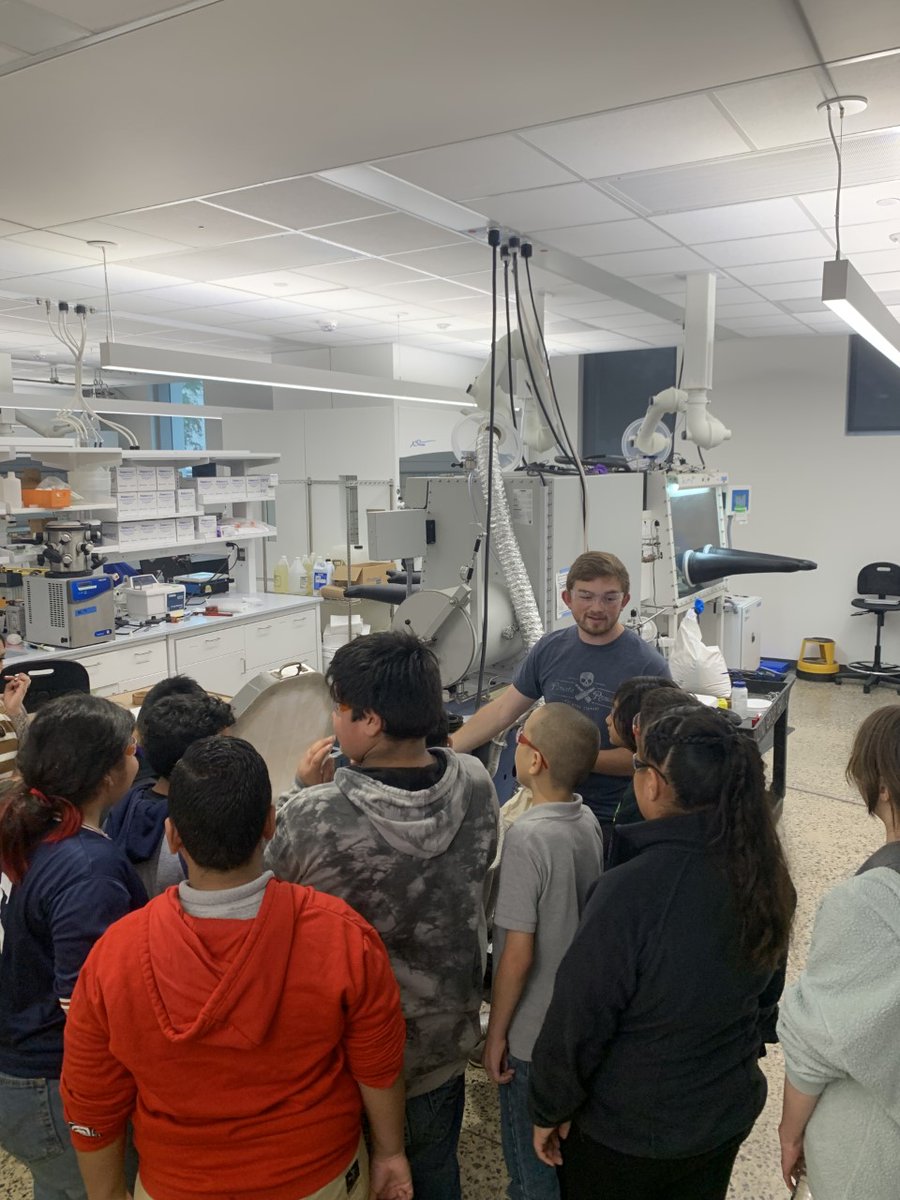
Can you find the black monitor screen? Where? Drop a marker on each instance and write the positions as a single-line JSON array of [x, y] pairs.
[[873, 390], [616, 388]]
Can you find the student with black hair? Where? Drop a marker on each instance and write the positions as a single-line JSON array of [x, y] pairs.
[[621, 724], [137, 823], [63, 882], [172, 685], [406, 835], [243, 1024], [645, 1077]]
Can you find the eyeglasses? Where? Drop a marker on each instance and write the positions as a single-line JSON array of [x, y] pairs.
[[607, 600], [639, 765], [522, 740]]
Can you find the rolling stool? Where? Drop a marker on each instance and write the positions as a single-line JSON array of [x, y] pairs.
[[880, 580], [818, 666]]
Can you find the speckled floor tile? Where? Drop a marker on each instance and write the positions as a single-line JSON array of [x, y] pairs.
[[482, 1113], [15, 1179], [482, 1172]]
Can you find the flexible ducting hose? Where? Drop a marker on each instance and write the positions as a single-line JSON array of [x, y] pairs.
[[504, 544]]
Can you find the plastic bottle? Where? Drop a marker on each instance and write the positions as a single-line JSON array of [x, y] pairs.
[[323, 573], [739, 698], [308, 560], [281, 575], [297, 577], [12, 490]]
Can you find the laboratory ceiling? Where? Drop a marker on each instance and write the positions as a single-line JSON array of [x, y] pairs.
[[274, 175]]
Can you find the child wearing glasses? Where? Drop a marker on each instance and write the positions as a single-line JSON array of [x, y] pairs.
[[551, 858]]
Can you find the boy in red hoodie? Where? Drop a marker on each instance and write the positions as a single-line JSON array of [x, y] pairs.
[[242, 1024]]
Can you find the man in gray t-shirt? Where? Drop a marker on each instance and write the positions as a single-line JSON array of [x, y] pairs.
[[583, 666]]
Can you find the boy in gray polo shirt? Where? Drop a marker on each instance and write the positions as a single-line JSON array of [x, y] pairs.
[[551, 857]]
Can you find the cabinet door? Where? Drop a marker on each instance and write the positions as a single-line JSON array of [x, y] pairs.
[[287, 638], [223, 675], [215, 642]]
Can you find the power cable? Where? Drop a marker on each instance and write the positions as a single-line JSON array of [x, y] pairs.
[[514, 247], [493, 242], [838, 151], [504, 254]]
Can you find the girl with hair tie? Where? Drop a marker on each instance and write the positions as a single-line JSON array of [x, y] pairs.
[[645, 1076], [63, 882]]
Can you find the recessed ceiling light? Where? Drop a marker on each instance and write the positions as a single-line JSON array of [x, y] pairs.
[[888, 200], [443, 324], [279, 284], [850, 105], [895, 237]]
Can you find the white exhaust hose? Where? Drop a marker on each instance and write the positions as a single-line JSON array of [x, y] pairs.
[[504, 544]]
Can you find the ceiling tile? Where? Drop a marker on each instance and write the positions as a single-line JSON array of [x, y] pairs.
[[260, 309], [217, 314], [55, 287], [628, 321], [607, 238], [598, 342], [302, 203], [33, 30], [771, 321], [824, 322], [798, 289], [363, 273], [341, 300], [483, 167], [650, 262], [192, 223], [9, 227], [9, 54], [752, 308], [687, 129], [472, 302], [779, 111], [592, 309], [392, 234], [16, 259], [756, 219], [274, 283], [428, 291], [389, 312], [859, 239], [873, 262], [859, 205], [780, 247], [275, 253], [552, 207], [843, 30], [887, 282], [450, 260], [97, 15], [72, 239], [779, 272], [121, 277]]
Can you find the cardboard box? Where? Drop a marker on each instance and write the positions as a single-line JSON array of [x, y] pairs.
[[204, 486], [166, 532], [363, 572], [146, 479], [126, 504], [116, 532], [185, 530], [165, 479], [186, 501], [237, 488], [165, 504], [148, 531], [221, 487], [206, 527], [123, 479], [146, 504]]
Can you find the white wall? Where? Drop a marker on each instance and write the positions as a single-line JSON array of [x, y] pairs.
[[817, 493]]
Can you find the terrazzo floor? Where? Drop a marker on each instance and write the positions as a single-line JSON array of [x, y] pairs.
[[827, 834]]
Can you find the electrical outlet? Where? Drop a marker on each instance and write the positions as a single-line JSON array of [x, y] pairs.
[[242, 554]]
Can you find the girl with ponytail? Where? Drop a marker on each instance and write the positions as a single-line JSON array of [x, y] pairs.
[[659, 1010], [62, 883]]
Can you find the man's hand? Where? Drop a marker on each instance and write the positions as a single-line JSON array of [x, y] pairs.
[[390, 1178], [495, 1059], [547, 1142], [14, 693], [316, 766]]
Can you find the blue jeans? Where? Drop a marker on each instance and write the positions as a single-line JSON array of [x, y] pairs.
[[529, 1178], [33, 1129], [433, 1122]]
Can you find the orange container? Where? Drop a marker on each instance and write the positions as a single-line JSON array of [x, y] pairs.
[[46, 497]]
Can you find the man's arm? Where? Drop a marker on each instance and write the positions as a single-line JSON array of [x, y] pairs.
[[506, 992], [490, 720], [390, 1177], [615, 762]]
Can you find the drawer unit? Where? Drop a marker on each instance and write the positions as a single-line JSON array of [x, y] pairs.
[[109, 669], [286, 638], [224, 674], [212, 643]]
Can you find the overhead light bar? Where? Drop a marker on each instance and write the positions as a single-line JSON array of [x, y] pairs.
[[846, 293], [173, 364]]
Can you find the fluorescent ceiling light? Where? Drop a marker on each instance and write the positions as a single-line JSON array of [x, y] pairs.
[[173, 364], [370, 181], [846, 293]]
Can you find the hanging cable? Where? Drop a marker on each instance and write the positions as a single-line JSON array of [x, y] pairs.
[[838, 150], [513, 245], [493, 242], [576, 458], [504, 254]]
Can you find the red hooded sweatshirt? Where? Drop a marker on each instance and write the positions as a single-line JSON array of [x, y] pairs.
[[235, 1046]]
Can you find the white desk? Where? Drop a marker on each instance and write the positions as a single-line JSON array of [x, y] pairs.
[[221, 653]]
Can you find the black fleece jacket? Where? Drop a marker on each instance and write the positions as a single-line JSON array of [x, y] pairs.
[[652, 1038]]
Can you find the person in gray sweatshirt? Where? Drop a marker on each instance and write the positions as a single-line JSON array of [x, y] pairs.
[[406, 835], [839, 1023]]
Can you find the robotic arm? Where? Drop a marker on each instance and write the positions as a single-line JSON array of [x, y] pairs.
[[703, 429]]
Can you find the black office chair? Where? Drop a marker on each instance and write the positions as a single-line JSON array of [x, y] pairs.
[[880, 580], [50, 677]]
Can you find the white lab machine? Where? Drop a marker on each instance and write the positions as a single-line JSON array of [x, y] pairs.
[[742, 632], [147, 599]]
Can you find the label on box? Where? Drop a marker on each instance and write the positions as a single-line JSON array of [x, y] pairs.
[[146, 504], [165, 478], [119, 531], [123, 479], [165, 531], [127, 502], [165, 504], [146, 479], [148, 531], [221, 486], [205, 486], [206, 527], [237, 487], [184, 529], [186, 500]]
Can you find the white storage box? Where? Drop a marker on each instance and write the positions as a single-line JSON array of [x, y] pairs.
[[186, 500], [165, 479], [185, 530], [146, 479], [237, 487], [114, 532], [146, 504], [166, 532], [123, 479], [206, 526], [126, 504], [148, 531], [165, 504]]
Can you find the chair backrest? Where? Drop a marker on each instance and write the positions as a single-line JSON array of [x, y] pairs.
[[879, 579], [50, 677]]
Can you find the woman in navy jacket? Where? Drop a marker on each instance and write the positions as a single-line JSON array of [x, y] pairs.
[[645, 1077]]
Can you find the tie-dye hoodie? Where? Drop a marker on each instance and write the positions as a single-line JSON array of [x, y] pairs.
[[415, 865]]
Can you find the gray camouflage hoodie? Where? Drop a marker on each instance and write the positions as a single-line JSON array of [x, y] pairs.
[[415, 865]]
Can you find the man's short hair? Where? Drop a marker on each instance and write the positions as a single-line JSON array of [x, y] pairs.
[[391, 674], [176, 721], [172, 685], [569, 742], [597, 564], [219, 798]]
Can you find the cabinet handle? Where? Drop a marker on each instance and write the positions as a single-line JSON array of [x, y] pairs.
[[88, 665], [142, 654], [209, 640], [263, 628]]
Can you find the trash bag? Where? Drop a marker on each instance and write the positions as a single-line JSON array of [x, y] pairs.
[[695, 666]]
